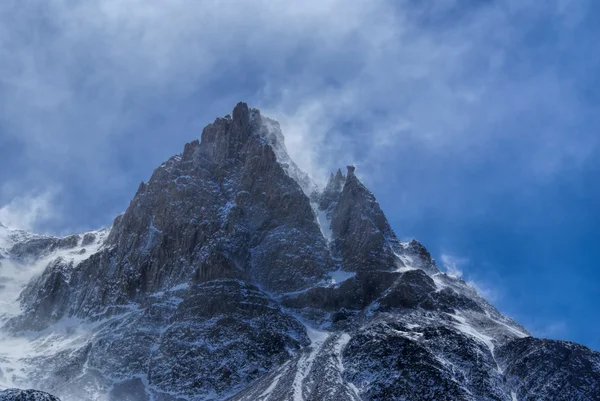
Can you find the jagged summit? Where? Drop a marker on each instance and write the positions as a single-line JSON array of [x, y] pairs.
[[232, 276], [331, 192]]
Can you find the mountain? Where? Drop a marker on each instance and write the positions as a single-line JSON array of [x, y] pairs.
[[232, 276]]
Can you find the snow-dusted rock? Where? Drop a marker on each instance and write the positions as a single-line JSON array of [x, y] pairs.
[[25, 395], [231, 276]]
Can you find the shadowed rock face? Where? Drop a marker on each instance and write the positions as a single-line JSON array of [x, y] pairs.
[[37, 247], [230, 276], [330, 196], [569, 371], [363, 237]]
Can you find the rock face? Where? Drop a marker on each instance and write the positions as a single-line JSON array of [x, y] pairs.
[[25, 395], [231, 276], [570, 371]]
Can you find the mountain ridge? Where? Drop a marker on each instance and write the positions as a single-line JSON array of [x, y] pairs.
[[232, 276]]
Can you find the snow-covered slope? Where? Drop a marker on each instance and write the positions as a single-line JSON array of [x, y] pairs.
[[231, 276], [23, 259]]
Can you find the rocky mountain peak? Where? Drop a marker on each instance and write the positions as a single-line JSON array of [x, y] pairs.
[[328, 198], [231, 276], [363, 236]]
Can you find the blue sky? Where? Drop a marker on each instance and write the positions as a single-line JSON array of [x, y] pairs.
[[475, 123]]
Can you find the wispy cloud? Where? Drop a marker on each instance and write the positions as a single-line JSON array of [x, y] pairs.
[[448, 108], [95, 93], [460, 267], [452, 265], [26, 212]]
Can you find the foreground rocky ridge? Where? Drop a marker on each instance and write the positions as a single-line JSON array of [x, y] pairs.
[[25, 395], [231, 276]]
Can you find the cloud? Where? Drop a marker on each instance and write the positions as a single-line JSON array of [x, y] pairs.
[[28, 212], [485, 289], [450, 109], [97, 93], [452, 265], [460, 267]]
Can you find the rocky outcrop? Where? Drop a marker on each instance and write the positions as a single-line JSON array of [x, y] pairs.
[[364, 239], [328, 199], [35, 248], [25, 395]]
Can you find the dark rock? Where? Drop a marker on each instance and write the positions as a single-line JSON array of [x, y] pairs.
[[37, 247], [550, 370], [25, 395], [89, 238], [353, 294], [363, 238], [329, 197]]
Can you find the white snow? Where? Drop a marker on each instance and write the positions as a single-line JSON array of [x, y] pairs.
[[275, 139], [267, 393], [338, 348], [316, 336], [468, 329], [324, 224], [339, 276], [340, 344], [437, 279], [407, 263], [406, 260], [179, 287], [403, 269], [307, 359], [14, 276], [513, 396], [513, 330], [415, 336]]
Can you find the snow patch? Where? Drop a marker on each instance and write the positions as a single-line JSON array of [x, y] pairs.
[[339, 276], [267, 393], [307, 359], [406, 260], [439, 283], [513, 330], [469, 330], [324, 224], [14, 276]]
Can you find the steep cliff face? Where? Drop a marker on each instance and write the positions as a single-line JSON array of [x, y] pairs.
[[231, 276], [226, 209]]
